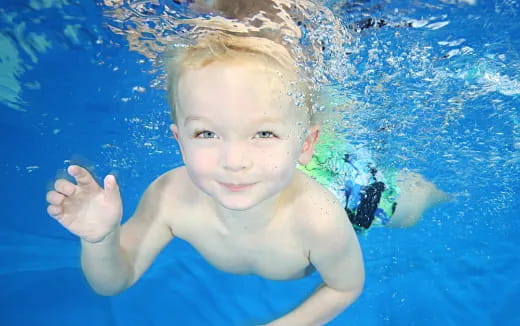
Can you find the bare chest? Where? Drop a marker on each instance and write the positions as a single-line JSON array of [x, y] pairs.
[[276, 254]]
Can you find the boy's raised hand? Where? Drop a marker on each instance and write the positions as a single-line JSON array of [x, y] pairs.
[[86, 209]]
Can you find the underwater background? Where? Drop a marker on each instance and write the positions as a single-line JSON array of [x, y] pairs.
[[434, 87]]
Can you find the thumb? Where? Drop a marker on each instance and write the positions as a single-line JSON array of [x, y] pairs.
[[111, 188]]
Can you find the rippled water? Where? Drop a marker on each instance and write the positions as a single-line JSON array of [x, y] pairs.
[[431, 86]]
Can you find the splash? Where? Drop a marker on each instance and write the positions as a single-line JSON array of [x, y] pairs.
[[317, 39]]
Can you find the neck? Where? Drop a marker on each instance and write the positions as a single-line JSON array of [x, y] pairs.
[[255, 219]]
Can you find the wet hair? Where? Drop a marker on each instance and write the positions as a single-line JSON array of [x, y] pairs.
[[224, 47]]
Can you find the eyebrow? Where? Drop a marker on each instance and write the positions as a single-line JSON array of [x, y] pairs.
[[191, 118]]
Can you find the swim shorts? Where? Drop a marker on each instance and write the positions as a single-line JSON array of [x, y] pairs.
[[368, 193]]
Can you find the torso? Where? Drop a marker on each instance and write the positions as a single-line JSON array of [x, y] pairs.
[[277, 253]]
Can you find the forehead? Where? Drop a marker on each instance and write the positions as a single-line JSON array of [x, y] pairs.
[[257, 73], [246, 84]]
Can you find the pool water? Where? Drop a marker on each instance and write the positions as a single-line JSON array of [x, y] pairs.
[[435, 90]]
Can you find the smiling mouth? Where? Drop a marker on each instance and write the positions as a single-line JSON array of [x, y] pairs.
[[236, 187]]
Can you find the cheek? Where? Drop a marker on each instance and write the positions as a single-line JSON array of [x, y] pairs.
[[278, 162], [200, 161]]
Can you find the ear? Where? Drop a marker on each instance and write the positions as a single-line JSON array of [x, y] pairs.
[[308, 145], [175, 132]]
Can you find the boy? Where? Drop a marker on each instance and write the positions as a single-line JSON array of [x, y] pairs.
[[239, 199]]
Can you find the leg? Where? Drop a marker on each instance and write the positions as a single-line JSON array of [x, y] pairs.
[[416, 196]]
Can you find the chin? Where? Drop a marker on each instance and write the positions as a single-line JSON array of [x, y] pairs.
[[242, 202], [237, 205]]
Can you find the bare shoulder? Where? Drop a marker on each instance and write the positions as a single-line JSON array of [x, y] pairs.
[[159, 208], [150, 228], [169, 179], [318, 210], [173, 186], [179, 200], [166, 194]]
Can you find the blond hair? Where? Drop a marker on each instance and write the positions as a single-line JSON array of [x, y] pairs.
[[225, 47]]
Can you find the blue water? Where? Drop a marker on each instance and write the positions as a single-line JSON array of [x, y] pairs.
[[448, 97]]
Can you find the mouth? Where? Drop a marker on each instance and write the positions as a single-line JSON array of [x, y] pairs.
[[234, 187]]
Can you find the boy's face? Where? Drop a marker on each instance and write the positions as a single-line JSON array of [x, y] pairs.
[[240, 134]]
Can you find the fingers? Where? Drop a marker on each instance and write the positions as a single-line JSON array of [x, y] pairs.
[[65, 187], [64, 190], [55, 198], [111, 188], [54, 211], [82, 176]]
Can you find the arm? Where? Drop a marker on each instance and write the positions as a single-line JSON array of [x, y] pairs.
[[112, 257], [320, 308], [117, 262], [335, 252]]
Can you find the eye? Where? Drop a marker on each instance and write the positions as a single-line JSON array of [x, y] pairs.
[[204, 134], [265, 134]]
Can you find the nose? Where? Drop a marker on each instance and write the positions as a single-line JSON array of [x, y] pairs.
[[236, 157]]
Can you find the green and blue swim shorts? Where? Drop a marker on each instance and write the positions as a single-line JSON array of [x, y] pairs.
[[368, 193]]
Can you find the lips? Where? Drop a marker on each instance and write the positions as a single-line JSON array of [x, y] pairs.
[[236, 187]]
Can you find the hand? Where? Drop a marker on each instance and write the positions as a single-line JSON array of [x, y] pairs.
[[86, 209]]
